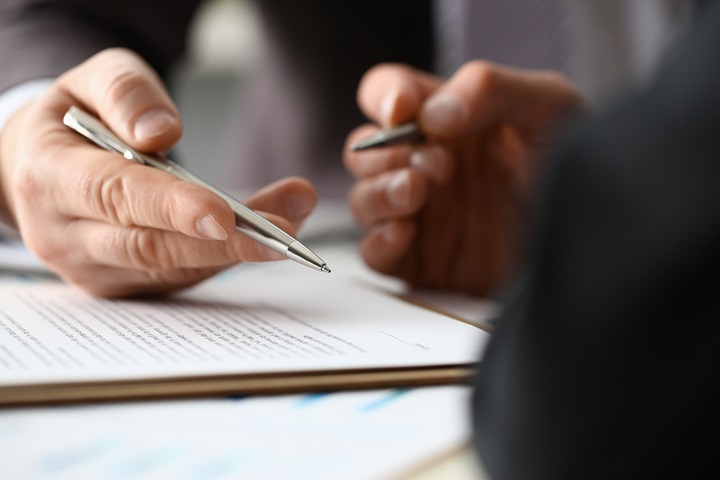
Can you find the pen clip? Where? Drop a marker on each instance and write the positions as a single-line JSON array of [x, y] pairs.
[[96, 132]]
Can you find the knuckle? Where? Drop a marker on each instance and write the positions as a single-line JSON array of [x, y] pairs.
[[176, 210], [107, 195], [49, 250], [143, 251], [123, 81], [26, 185], [113, 199]]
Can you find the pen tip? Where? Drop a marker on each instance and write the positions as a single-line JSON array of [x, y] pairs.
[[324, 268]]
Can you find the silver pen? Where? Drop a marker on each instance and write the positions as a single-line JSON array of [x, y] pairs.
[[406, 132], [247, 220]]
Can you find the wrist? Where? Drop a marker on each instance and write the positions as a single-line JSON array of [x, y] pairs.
[[14, 98], [12, 103]]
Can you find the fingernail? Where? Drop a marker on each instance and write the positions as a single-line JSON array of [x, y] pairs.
[[387, 106], [153, 123], [398, 190], [442, 113], [430, 161], [211, 229], [269, 254], [299, 205], [388, 232]]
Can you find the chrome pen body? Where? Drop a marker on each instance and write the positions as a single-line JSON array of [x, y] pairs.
[[407, 132], [247, 221]]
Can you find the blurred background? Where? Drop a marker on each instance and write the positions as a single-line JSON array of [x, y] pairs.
[[603, 45], [224, 41]]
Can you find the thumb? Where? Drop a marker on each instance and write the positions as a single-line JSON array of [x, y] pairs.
[[392, 93], [481, 94], [128, 96]]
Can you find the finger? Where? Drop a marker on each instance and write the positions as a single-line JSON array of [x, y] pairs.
[[435, 161], [396, 194], [110, 282], [481, 93], [129, 97], [386, 244], [145, 249], [87, 182], [390, 94], [291, 198]]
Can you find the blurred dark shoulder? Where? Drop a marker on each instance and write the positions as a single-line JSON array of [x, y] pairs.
[[605, 364]]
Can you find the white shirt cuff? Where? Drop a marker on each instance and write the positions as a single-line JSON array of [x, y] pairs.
[[12, 99], [10, 102]]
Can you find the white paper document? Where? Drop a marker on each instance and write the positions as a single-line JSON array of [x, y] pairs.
[[53, 333], [272, 321]]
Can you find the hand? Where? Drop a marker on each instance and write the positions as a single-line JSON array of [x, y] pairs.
[[445, 213], [115, 227]]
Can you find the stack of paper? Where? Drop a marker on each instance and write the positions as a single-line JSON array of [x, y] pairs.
[[262, 336]]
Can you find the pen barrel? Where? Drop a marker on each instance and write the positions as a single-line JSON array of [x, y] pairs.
[[247, 221]]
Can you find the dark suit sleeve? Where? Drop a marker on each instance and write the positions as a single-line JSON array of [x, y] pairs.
[[607, 364], [43, 38]]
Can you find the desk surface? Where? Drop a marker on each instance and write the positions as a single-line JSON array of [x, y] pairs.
[[461, 465]]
